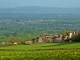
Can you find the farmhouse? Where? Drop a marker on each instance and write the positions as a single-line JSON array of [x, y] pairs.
[[40, 39], [14, 42], [28, 42], [57, 38], [44, 39], [61, 38]]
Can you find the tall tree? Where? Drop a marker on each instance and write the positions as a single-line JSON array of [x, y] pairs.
[[63, 32], [29, 36]]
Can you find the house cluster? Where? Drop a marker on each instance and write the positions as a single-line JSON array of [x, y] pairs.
[[43, 39], [15, 42], [56, 37]]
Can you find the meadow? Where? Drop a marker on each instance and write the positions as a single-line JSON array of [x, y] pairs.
[[41, 51]]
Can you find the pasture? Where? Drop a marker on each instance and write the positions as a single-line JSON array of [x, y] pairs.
[[42, 51]]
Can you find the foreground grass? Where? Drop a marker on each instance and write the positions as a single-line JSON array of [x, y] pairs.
[[41, 52], [41, 55]]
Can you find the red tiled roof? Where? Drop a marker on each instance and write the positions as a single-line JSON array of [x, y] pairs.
[[13, 41]]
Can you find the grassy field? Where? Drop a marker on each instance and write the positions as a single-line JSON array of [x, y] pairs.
[[43, 46], [43, 51]]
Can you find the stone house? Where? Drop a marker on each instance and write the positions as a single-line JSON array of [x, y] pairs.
[[14, 42], [61, 38], [28, 42], [44, 39], [49, 39], [40, 39], [57, 38]]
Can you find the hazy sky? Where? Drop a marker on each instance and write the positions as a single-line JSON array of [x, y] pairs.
[[46, 3]]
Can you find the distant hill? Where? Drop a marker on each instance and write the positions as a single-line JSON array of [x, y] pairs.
[[40, 10]]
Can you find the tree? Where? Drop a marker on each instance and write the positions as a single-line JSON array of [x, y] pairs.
[[43, 33], [76, 38], [63, 32], [29, 36]]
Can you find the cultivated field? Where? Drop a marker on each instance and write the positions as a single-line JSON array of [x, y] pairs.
[[43, 51]]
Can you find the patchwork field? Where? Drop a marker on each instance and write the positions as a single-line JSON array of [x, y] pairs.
[[43, 51]]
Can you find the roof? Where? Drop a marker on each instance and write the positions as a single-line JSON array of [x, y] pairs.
[[13, 41]]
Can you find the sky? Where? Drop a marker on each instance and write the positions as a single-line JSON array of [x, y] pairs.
[[43, 3]]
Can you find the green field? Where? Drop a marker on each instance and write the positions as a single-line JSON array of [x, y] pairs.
[[43, 46], [43, 51]]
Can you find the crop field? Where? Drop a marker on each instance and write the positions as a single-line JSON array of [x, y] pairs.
[[43, 51]]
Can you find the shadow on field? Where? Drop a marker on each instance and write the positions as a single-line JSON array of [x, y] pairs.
[[59, 44]]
